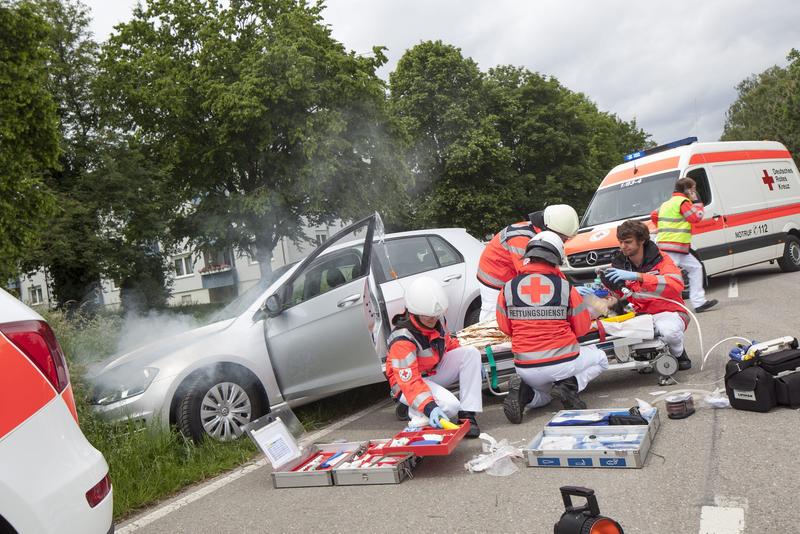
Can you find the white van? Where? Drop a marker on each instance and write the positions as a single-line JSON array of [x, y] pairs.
[[751, 190]]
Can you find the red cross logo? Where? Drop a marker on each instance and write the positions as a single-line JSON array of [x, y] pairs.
[[768, 180], [536, 290]]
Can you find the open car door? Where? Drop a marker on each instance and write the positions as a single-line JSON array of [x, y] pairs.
[[324, 329]]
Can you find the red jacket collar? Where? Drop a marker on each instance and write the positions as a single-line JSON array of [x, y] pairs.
[[676, 194], [429, 332]]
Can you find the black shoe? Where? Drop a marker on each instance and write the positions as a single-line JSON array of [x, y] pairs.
[[567, 392], [684, 362], [474, 429], [401, 412], [706, 305], [519, 395]]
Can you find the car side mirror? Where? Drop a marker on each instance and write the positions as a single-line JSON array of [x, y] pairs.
[[273, 306]]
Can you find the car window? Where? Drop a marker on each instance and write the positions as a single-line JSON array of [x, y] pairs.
[[410, 255], [445, 252], [327, 272], [703, 189]]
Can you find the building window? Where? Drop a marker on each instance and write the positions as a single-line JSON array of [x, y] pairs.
[[321, 237], [186, 300], [218, 260], [36, 294], [183, 266]]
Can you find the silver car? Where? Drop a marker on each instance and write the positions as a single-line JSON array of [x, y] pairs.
[[315, 329]]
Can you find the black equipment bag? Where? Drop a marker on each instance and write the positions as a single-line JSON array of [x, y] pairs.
[[778, 362], [787, 390], [749, 386]]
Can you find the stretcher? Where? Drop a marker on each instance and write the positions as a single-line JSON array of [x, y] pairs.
[[624, 354]]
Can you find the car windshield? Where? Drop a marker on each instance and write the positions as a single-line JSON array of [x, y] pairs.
[[632, 198], [238, 305]]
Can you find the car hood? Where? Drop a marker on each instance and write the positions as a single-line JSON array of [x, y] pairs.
[[599, 237], [148, 354]]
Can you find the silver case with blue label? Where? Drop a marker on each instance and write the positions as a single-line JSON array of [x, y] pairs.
[[603, 458]]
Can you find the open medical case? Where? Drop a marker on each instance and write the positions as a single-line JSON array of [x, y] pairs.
[[327, 464], [592, 445]]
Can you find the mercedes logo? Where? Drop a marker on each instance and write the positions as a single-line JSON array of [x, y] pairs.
[[591, 257]]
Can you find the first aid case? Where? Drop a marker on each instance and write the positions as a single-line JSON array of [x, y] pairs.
[[419, 443], [327, 464], [375, 466], [592, 445]]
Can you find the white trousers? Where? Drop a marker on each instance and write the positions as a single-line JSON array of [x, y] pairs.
[[464, 365], [586, 367], [669, 327], [488, 301], [693, 268]]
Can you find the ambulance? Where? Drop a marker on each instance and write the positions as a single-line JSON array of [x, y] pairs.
[[51, 479], [751, 193]]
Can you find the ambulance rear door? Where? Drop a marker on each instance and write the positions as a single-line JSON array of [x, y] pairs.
[[709, 236], [749, 231]]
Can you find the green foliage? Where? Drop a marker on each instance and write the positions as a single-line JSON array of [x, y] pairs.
[[261, 119], [487, 149], [768, 106], [28, 134]]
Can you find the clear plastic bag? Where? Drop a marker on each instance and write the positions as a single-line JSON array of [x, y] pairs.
[[497, 458]]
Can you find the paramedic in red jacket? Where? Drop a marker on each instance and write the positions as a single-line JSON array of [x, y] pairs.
[[502, 257], [423, 359], [544, 316], [645, 270]]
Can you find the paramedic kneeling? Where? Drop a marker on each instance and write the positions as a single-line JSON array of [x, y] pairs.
[[544, 316], [502, 256], [656, 283], [423, 359]]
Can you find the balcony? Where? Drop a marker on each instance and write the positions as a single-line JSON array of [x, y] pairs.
[[218, 275]]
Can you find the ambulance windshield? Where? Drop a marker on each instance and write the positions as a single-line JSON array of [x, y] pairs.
[[632, 198]]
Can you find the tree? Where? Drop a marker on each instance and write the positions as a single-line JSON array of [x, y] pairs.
[[487, 149], [28, 134], [768, 106], [261, 120]]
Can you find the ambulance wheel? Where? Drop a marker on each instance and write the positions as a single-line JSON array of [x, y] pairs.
[[790, 261], [218, 406]]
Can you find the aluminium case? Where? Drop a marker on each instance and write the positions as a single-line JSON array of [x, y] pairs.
[[603, 458]]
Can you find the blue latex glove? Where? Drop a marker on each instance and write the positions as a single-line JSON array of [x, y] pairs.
[[618, 275], [437, 414], [583, 290]]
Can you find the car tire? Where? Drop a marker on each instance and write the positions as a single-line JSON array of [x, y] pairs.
[[790, 261], [237, 403], [473, 315]]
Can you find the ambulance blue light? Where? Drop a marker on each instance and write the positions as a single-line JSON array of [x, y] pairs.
[[660, 148]]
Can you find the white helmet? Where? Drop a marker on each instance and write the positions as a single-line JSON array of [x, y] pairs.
[[561, 218], [426, 297], [546, 246]]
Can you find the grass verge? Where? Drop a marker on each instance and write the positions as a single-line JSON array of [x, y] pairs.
[[149, 464]]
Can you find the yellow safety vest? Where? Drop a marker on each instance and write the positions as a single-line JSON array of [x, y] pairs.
[[672, 226]]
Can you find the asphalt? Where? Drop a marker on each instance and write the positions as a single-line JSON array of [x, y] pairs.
[[722, 459]]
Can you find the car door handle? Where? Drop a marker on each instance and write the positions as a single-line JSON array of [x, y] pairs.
[[348, 301], [451, 277]]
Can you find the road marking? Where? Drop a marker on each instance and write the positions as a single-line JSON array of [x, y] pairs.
[[201, 492], [733, 288], [726, 517]]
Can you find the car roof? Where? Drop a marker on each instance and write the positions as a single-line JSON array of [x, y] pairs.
[[12, 309]]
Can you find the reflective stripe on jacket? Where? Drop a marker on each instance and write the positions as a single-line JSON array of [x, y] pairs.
[[415, 351], [544, 316], [660, 278], [502, 257], [674, 230]]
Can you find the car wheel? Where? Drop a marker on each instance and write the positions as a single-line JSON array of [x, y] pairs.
[[473, 315], [218, 407], [790, 261]]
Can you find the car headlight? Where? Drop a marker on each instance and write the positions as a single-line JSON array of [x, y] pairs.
[[122, 383]]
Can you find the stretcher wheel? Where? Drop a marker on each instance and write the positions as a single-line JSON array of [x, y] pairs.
[[666, 365]]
